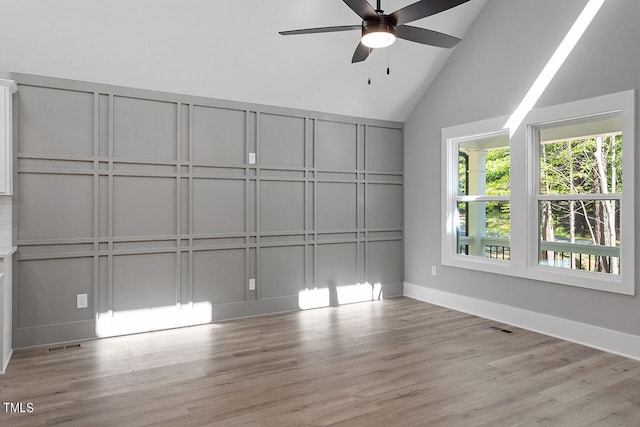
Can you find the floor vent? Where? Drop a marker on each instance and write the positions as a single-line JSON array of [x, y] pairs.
[[65, 347], [499, 329]]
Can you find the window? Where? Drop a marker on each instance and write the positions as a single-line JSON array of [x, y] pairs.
[[579, 193], [555, 202], [477, 196], [483, 196]]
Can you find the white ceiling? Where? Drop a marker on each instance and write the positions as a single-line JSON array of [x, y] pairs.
[[228, 50]]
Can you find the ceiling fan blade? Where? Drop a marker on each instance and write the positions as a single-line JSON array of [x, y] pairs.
[[321, 30], [363, 9], [424, 36], [362, 52], [422, 9]]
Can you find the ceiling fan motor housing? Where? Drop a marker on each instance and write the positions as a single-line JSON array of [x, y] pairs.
[[381, 25]]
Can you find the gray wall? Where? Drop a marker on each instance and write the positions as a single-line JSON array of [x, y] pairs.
[[487, 76], [144, 199]]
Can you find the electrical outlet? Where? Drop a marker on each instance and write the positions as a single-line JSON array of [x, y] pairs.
[[81, 301], [433, 270], [252, 284], [252, 158]]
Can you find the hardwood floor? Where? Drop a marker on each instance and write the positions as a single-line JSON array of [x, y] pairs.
[[396, 362]]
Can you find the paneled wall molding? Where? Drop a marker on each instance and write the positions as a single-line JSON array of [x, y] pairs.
[[149, 204], [91, 87]]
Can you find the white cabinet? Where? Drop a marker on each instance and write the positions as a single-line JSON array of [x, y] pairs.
[[7, 89], [6, 301]]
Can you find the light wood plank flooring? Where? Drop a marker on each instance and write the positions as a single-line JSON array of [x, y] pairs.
[[396, 362]]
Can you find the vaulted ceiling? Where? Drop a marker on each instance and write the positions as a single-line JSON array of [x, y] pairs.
[[228, 50]]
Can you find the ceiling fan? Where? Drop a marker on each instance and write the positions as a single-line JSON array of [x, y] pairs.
[[380, 30]]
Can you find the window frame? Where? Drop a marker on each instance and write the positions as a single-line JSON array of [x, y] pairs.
[[524, 182], [452, 138], [622, 104]]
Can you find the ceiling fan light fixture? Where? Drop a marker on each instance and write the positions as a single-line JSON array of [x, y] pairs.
[[380, 29], [378, 35]]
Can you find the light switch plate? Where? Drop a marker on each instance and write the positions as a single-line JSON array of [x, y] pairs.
[[252, 158], [252, 284]]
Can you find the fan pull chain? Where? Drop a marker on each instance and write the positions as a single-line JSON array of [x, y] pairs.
[[388, 67]]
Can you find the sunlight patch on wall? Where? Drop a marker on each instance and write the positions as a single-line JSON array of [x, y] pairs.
[[555, 62], [343, 294], [314, 298], [359, 292], [152, 319]]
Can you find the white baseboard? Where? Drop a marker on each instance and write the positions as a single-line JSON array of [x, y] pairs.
[[608, 340]]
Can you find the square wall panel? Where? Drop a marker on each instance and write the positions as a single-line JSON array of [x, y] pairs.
[[383, 149], [281, 141], [218, 135], [144, 129], [385, 262], [55, 121], [281, 271], [281, 206], [335, 145], [48, 289], [144, 206], [219, 276], [384, 206], [55, 206], [144, 281], [336, 206], [336, 265], [218, 206]]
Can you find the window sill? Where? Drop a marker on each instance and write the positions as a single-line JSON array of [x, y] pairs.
[[576, 278]]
